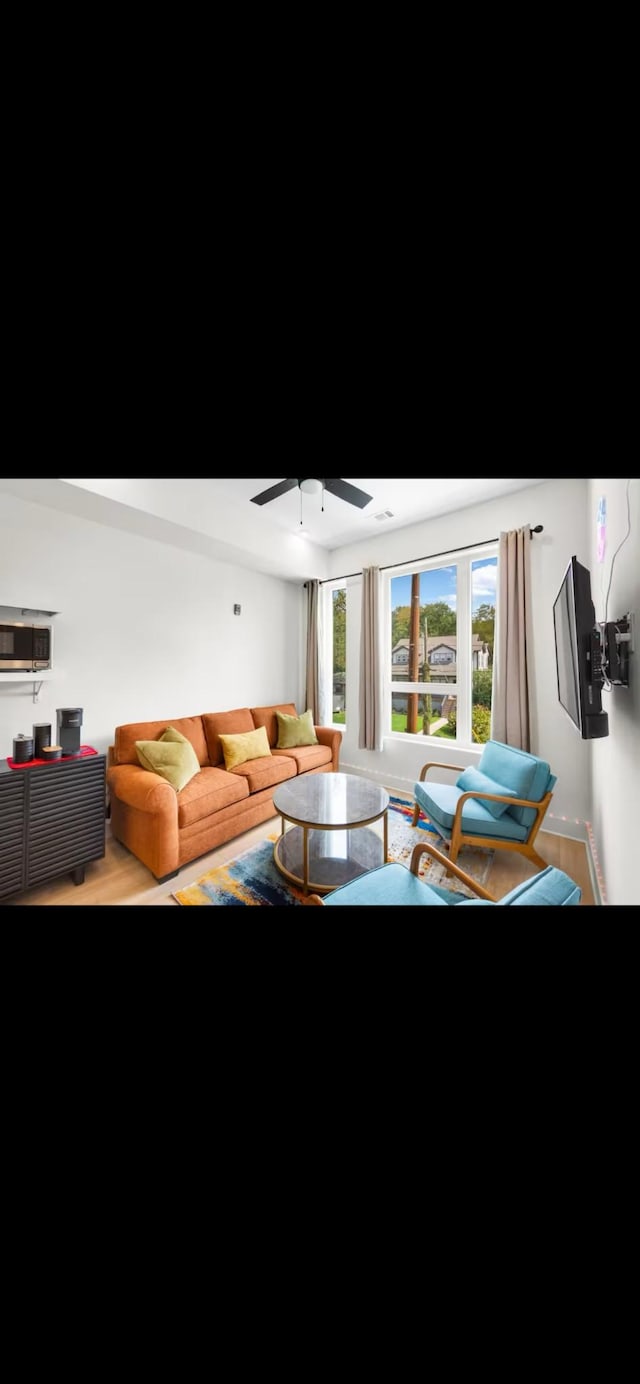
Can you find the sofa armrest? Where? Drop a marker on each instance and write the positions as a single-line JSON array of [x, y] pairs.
[[144, 817], [139, 788], [327, 735]]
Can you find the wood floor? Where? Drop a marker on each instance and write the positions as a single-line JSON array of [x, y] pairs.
[[120, 879]]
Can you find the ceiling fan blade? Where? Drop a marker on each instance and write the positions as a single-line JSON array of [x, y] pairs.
[[347, 492], [273, 493]]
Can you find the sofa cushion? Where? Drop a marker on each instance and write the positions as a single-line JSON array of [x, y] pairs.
[[474, 779], [236, 722], [295, 730], [211, 791], [237, 749], [172, 756], [124, 748], [306, 757], [266, 772], [266, 716]]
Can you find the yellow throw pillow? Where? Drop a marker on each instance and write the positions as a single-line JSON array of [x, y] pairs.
[[172, 756], [295, 730], [237, 749]]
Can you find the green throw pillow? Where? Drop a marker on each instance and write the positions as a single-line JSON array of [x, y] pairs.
[[172, 756], [295, 730], [248, 744]]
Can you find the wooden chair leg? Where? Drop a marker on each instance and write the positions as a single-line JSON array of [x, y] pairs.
[[455, 842], [532, 854]]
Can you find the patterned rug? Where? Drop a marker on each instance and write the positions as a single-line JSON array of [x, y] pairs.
[[254, 879]]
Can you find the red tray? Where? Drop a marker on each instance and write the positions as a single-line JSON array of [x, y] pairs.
[[30, 764]]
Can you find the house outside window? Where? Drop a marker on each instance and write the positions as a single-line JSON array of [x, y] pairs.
[[441, 631]]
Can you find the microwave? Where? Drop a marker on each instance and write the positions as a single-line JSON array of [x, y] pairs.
[[25, 648]]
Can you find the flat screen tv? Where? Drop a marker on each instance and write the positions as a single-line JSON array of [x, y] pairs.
[[579, 653]]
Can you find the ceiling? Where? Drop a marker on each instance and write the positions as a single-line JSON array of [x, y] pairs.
[[394, 504], [217, 518]]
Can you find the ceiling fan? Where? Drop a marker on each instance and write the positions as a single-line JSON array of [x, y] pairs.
[[342, 489]]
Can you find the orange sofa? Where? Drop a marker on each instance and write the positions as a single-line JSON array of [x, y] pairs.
[[165, 829]]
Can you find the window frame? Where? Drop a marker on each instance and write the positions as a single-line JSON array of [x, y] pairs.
[[326, 660], [462, 688]]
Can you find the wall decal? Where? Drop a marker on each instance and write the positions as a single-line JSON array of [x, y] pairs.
[[601, 527]]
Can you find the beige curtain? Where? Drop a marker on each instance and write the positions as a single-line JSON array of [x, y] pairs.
[[312, 694], [370, 692], [510, 718]]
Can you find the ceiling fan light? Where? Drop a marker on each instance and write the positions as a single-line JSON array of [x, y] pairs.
[[311, 487]]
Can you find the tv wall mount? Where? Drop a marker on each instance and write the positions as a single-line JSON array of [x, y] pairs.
[[612, 642]]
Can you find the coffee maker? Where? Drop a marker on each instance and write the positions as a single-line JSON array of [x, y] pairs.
[[69, 721]]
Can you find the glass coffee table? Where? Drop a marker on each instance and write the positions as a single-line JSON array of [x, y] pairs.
[[329, 841]]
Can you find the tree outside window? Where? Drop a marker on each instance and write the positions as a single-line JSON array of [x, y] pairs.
[[339, 646]]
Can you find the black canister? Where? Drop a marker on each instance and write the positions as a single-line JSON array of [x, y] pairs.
[[22, 749], [41, 738]]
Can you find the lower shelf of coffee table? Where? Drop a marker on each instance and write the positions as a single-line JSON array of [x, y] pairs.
[[335, 857]]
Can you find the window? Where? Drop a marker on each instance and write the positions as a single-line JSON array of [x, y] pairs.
[[339, 655], [441, 624]]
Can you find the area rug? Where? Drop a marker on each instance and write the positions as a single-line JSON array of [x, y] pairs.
[[254, 879]]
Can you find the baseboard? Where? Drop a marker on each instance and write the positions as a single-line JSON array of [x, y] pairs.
[[597, 881], [403, 785]]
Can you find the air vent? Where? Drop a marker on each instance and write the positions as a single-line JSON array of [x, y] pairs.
[[385, 514]]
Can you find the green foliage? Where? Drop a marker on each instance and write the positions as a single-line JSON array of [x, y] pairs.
[[482, 680], [339, 629], [485, 612], [399, 624], [436, 618], [480, 724], [483, 626], [439, 618]]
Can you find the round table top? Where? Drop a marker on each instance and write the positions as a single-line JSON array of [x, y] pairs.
[[330, 800]]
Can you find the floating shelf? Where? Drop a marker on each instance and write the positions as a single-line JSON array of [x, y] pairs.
[[36, 679], [27, 610]]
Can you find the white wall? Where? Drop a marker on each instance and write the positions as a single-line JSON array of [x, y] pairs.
[[561, 507], [145, 631], [615, 761]]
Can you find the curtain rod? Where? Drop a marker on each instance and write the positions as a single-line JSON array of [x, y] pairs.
[[447, 553]]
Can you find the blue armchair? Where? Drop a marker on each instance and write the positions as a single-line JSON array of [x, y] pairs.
[[395, 886], [500, 804]]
